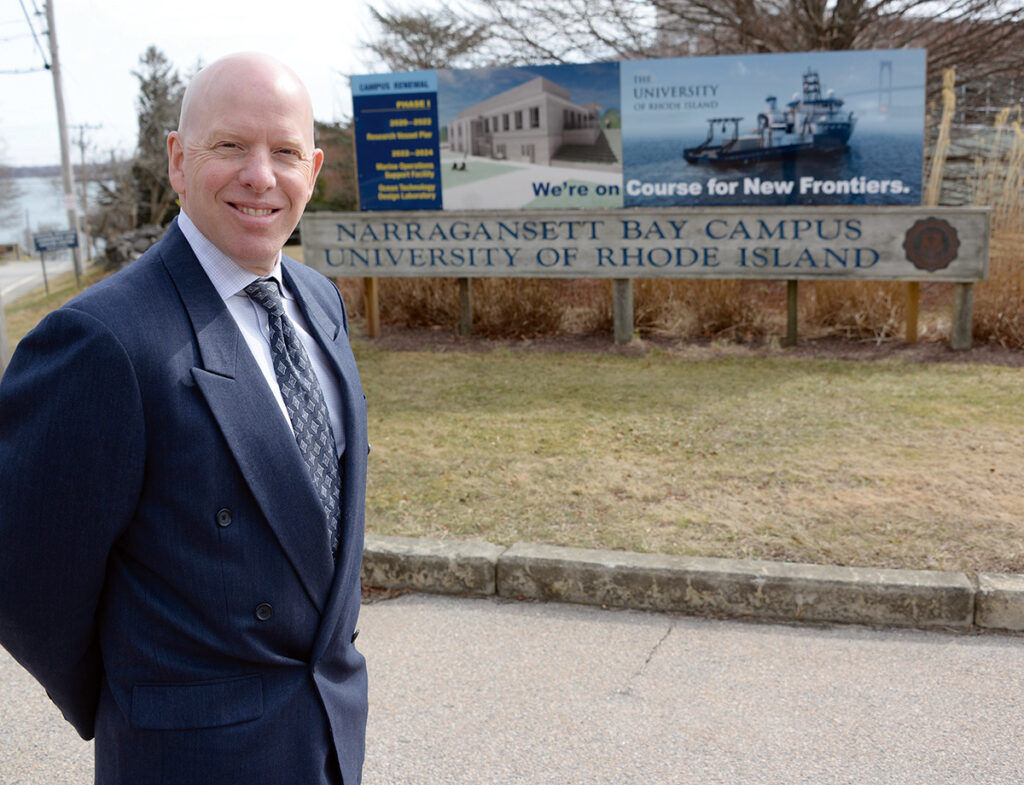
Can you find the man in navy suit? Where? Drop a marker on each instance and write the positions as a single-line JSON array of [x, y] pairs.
[[175, 569]]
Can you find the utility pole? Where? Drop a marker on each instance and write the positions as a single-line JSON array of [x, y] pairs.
[[5, 355], [82, 128], [67, 175]]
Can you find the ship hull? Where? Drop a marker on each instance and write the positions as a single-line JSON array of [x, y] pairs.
[[716, 155]]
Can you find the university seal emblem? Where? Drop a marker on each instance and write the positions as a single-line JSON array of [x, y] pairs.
[[931, 244]]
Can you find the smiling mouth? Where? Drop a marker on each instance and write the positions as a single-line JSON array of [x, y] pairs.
[[256, 212]]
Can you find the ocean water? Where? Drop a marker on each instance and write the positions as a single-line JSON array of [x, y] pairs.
[[870, 155], [38, 206]]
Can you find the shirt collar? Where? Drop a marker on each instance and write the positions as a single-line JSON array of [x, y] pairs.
[[227, 276]]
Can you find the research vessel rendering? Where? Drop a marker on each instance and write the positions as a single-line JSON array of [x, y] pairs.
[[813, 123]]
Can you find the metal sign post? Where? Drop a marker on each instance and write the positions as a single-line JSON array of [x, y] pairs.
[[46, 281], [53, 241]]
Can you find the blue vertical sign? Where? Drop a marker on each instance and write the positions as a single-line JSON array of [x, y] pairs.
[[397, 141]]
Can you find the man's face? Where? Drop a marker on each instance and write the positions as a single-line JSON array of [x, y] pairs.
[[244, 164]]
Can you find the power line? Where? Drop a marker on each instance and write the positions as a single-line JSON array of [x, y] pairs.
[[9, 71], [35, 37]]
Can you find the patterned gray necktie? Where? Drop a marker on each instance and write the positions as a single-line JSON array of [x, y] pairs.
[[304, 401]]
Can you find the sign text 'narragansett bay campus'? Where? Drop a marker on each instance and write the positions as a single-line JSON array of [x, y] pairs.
[[893, 243]]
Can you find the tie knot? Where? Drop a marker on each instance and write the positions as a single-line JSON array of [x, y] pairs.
[[266, 293]]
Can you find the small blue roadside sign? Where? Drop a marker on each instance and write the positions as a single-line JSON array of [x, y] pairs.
[[54, 241]]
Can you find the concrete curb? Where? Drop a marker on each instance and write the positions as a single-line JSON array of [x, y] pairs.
[[770, 590], [1000, 601], [797, 592], [431, 566]]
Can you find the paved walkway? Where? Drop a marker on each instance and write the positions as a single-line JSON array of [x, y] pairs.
[[493, 692]]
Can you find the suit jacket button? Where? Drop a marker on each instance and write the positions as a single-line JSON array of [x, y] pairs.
[[223, 517], [354, 636], [264, 611]]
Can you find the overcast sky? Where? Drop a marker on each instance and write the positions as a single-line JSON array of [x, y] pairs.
[[99, 43]]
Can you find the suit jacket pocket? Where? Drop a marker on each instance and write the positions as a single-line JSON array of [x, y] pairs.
[[197, 704]]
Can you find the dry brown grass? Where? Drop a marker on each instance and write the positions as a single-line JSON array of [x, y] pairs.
[[933, 186], [873, 310], [521, 307], [502, 308], [420, 302], [685, 309], [999, 183], [734, 310], [26, 312]]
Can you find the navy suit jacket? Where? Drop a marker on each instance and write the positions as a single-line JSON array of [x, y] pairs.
[[164, 569]]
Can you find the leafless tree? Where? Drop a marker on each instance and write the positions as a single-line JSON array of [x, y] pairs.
[[9, 195], [117, 209], [983, 39], [568, 31], [420, 39]]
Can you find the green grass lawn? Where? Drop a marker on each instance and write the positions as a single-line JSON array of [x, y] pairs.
[[875, 464]]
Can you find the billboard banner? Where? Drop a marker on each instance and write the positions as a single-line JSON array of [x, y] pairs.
[[813, 128]]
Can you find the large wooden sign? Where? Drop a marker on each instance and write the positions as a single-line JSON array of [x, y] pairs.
[[869, 243]]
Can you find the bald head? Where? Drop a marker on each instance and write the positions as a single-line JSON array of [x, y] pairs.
[[251, 71], [243, 161]]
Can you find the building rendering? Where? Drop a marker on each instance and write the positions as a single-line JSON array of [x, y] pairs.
[[532, 122]]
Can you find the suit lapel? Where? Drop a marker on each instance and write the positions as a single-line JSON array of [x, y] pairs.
[[324, 327], [247, 414]]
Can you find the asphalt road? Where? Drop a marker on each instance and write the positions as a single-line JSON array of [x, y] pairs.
[[18, 278], [495, 692]]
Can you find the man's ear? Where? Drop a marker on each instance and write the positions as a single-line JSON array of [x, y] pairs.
[[318, 162], [176, 162]]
